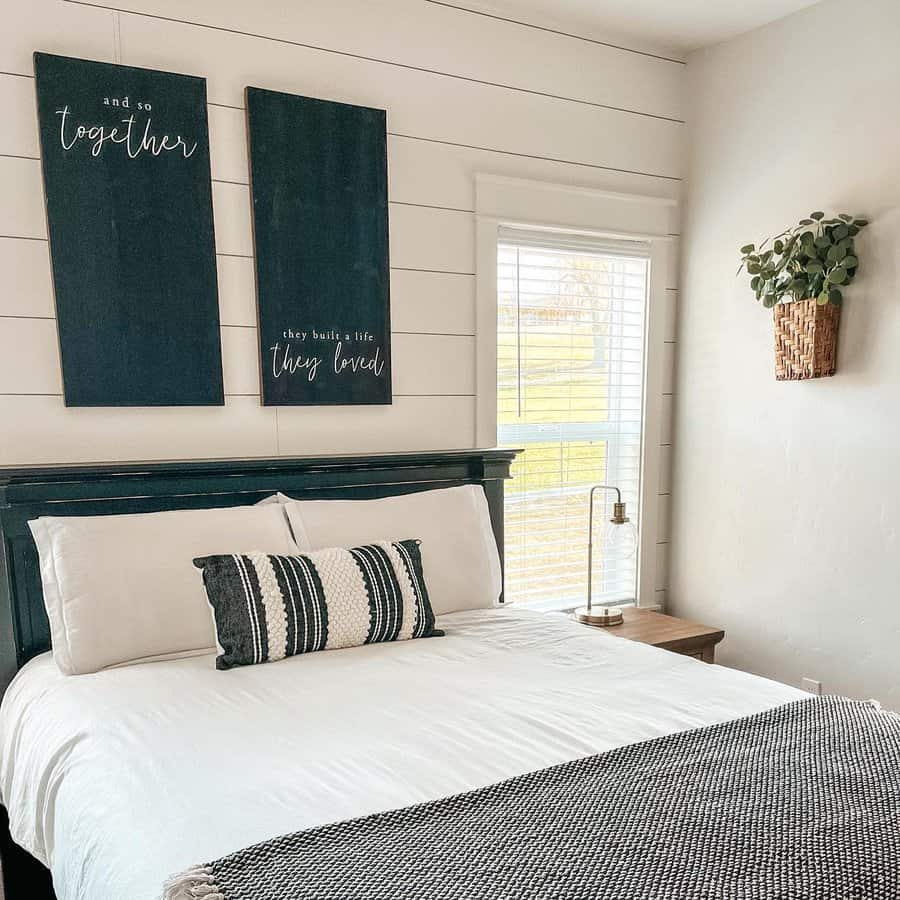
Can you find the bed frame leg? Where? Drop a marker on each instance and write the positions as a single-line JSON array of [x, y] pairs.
[[24, 878]]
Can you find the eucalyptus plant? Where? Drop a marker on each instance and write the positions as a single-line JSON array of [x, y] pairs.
[[814, 259]]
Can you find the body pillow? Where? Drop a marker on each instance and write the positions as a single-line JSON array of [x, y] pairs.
[[459, 551], [120, 589], [268, 607]]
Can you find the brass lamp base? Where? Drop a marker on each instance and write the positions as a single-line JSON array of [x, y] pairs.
[[599, 615]]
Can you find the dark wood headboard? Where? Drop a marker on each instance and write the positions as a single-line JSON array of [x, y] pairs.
[[101, 489]]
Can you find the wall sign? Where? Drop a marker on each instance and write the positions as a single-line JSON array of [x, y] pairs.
[[320, 219], [125, 155]]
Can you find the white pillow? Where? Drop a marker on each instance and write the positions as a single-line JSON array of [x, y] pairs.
[[274, 498], [123, 588], [459, 553]]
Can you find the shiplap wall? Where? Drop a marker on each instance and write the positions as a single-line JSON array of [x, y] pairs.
[[465, 92]]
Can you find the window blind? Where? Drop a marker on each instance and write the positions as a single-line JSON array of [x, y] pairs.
[[571, 325]]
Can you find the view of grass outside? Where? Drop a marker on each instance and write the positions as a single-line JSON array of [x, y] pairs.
[[570, 370]]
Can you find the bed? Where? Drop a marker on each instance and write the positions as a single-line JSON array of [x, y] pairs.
[[119, 779]]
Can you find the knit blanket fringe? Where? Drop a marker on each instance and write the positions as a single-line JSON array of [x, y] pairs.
[[197, 883]]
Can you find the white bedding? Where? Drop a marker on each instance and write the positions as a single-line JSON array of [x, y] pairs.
[[119, 779]]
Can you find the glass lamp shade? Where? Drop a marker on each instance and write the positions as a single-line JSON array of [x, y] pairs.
[[619, 541]]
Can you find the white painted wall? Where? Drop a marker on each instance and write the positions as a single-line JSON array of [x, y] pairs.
[[787, 530], [465, 93]]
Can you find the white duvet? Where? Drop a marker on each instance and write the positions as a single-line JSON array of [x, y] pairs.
[[119, 779]]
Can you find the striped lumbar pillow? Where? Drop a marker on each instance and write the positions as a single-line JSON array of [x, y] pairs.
[[269, 607]]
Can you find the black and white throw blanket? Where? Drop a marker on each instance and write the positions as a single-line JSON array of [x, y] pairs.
[[798, 803]]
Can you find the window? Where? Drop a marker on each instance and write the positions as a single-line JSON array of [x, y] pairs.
[[570, 383]]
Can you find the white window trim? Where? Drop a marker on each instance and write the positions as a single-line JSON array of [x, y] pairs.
[[604, 214]]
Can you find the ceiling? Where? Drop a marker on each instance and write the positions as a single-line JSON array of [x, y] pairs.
[[678, 25]]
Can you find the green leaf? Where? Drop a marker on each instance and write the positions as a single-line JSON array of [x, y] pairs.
[[804, 262]]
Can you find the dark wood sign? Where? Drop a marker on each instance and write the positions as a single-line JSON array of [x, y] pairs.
[[320, 220], [125, 155]]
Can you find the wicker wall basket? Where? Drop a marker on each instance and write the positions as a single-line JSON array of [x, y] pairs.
[[805, 340]]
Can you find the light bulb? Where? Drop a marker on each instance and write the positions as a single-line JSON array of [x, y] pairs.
[[619, 541]]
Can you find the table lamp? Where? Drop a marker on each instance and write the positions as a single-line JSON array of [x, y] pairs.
[[620, 543]]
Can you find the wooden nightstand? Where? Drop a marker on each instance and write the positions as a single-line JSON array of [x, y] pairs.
[[677, 635]]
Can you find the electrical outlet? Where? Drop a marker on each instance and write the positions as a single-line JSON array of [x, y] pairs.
[[811, 686]]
